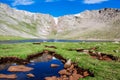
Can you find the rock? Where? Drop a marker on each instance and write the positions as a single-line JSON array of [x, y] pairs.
[[10, 76], [51, 78], [76, 76], [67, 64], [74, 71], [54, 65], [64, 72], [19, 68], [71, 78], [85, 73], [65, 78], [30, 75], [71, 67]]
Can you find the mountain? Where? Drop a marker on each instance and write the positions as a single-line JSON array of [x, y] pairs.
[[95, 24], [25, 24]]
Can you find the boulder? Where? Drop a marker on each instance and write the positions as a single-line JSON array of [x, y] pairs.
[[67, 64], [19, 68], [10, 76]]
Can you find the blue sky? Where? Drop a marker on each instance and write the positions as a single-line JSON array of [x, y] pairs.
[[58, 8]]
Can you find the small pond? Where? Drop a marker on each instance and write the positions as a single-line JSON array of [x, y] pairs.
[[41, 69]]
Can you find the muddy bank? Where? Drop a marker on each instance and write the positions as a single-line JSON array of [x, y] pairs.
[[97, 55], [13, 59], [29, 58]]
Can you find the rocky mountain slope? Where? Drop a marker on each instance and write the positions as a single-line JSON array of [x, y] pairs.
[[25, 24], [95, 24]]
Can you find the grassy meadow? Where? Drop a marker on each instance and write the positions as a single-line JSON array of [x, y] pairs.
[[103, 70], [11, 38]]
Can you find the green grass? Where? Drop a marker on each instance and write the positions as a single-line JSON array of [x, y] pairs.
[[103, 70], [11, 38]]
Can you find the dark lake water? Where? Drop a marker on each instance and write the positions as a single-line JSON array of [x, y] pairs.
[[41, 70], [49, 40]]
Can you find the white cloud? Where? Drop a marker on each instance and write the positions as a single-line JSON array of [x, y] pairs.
[[94, 1], [22, 2]]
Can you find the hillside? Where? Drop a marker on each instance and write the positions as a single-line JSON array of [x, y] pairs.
[[24, 24], [95, 24]]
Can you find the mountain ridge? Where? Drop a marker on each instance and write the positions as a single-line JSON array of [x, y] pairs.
[[95, 24]]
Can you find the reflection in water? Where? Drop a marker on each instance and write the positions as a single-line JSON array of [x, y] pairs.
[[41, 69], [6, 65], [43, 58]]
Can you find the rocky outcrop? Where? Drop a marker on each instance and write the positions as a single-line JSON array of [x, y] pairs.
[[95, 24]]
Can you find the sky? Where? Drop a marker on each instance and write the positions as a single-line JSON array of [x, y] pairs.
[[59, 8]]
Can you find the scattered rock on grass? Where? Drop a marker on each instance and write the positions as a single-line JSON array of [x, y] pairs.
[[98, 55]]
